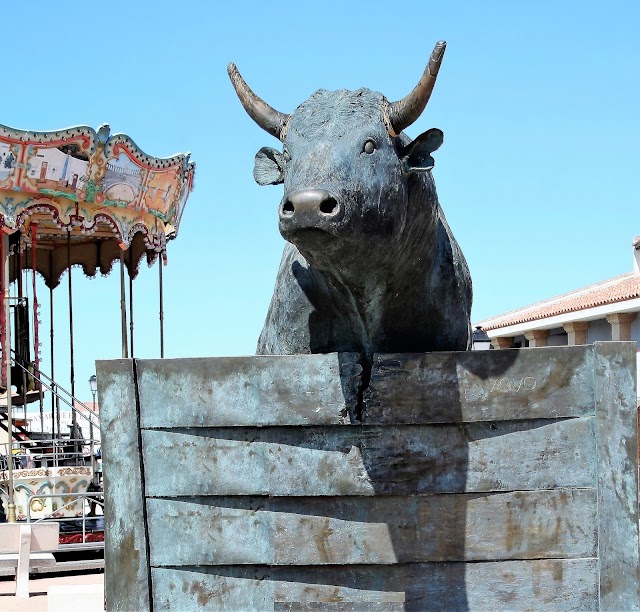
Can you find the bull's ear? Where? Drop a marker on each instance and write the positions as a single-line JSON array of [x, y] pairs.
[[416, 156], [269, 167]]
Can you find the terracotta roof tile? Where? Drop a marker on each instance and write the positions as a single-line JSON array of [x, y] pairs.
[[618, 289]]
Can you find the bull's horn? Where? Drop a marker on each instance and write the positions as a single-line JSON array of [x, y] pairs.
[[404, 112], [269, 119]]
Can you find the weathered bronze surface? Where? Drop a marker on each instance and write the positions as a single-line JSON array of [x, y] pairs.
[[267, 495], [372, 265]]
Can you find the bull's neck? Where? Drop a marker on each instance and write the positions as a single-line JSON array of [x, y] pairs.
[[364, 294]]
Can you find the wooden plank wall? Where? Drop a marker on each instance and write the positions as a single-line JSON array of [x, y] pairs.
[[492, 480]]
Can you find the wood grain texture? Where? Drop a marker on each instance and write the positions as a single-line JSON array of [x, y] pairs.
[[126, 562], [402, 460], [617, 434], [481, 386], [550, 584], [380, 530], [249, 391]]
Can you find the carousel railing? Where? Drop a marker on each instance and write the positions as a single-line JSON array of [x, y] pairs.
[[48, 453], [91, 499], [62, 394]]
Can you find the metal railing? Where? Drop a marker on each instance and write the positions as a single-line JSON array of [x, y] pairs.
[[47, 453], [61, 393], [90, 498]]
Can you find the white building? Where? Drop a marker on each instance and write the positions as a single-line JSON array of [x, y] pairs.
[[51, 164], [604, 311], [66, 419]]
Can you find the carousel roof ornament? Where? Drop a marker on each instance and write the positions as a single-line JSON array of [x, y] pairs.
[[97, 191]]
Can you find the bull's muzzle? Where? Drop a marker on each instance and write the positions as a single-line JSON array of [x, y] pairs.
[[309, 209]]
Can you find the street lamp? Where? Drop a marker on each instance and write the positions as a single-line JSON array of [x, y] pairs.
[[93, 385], [481, 341]]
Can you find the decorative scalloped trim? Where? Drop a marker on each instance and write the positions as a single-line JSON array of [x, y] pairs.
[[73, 133], [91, 139], [142, 158], [154, 241]]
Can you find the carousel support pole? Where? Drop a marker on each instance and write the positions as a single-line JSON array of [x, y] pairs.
[[123, 309], [36, 324], [18, 326], [3, 318], [160, 264], [6, 364], [131, 297], [53, 385], [74, 424], [55, 400]]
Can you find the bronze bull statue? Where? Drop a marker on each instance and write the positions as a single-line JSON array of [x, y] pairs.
[[371, 264]]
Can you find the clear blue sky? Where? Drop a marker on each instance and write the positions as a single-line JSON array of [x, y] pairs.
[[538, 175]]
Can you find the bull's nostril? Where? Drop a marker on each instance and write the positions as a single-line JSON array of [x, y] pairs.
[[287, 208], [329, 206]]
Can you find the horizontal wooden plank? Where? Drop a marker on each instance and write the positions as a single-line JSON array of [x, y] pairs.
[[366, 530], [549, 584], [250, 391], [401, 460], [481, 386]]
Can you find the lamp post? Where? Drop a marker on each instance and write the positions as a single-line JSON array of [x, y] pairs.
[[93, 385], [481, 341]]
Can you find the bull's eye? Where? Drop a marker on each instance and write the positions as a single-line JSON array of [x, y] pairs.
[[369, 146], [287, 157]]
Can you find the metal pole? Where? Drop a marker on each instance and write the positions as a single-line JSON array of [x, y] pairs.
[[18, 324], [6, 358], [73, 376], [93, 471], [131, 296], [54, 401], [3, 319], [160, 263], [36, 324], [123, 309]]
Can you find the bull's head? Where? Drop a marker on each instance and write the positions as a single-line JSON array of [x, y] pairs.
[[345, 165]]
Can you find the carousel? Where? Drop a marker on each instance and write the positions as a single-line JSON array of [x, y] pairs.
[[71, 198]]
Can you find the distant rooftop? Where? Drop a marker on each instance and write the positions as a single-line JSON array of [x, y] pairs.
[[618, 289]]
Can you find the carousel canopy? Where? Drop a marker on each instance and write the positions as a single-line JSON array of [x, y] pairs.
[[81, 197]]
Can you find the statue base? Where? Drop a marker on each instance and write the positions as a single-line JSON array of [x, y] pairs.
[[480, 480]]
